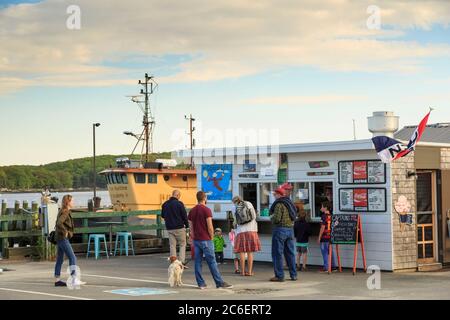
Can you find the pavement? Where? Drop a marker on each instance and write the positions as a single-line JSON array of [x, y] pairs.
[[144, 277]]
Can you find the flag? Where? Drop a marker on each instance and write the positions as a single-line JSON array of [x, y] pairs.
[[389, 149]]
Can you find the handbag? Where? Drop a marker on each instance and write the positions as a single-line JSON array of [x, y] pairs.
[[52, 237]]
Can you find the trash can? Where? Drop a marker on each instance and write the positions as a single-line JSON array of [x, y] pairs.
[[97, 201], [90, 205]]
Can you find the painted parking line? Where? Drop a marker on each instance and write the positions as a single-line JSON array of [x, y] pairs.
[[45, 294], [139, 292], [137, 280]]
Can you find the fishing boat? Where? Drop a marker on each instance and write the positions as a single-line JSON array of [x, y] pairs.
[[144, 184]]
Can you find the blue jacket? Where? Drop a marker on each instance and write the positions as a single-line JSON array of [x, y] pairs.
[[174, 214]]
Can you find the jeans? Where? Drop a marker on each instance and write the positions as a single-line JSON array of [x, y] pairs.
[[64, 247], [178, 236], [283, 244], [206, 248], [219, 257], [325, 247]]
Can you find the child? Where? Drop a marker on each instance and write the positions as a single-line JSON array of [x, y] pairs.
[[302, 231], [232, 236], [325, 237], [219, 244]]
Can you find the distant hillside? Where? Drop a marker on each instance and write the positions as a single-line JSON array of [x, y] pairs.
[[70, 174]]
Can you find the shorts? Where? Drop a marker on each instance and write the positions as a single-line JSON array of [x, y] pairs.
[[302, 247]]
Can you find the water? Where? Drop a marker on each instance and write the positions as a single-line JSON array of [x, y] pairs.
[[80, 198]]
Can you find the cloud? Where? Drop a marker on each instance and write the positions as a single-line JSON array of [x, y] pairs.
[[302, 100], [224, 38]]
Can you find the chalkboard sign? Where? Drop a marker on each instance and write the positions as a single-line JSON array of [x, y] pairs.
[[344, 229]]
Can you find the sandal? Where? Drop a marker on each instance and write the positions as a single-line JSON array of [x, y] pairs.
[[237, 272], [247, 274]]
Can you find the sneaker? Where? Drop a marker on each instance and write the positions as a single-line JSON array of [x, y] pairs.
[[225, 286], [78, 282], [275, 279], [323, 270], [202, 287], [335, 270], [294, 279], [60, 284]]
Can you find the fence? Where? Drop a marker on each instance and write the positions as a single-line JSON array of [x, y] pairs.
[[18, 223]]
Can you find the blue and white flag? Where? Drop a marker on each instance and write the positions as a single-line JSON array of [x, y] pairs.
[[389, 149]]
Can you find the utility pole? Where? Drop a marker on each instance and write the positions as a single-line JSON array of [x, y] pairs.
[[191, 138], [94, 125]]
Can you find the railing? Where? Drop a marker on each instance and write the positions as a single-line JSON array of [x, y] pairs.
[[36, 219]]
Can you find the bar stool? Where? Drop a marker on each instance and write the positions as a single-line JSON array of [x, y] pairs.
[[122, 237], [97, 238]]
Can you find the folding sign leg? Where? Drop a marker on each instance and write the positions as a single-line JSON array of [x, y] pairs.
[[355, 256], [338, 258], [363, 251]]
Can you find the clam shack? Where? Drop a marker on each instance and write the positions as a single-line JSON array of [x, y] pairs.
[[403, 205]]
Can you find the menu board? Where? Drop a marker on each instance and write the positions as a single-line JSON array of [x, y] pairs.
[[344, 228], [362, 200], [362, 172]]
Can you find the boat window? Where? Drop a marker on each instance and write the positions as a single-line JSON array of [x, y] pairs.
[[139, 178], [152, 178], [107, 179], [124, 178], [185, 178], [113, 178], [166, 177], [119, 178]]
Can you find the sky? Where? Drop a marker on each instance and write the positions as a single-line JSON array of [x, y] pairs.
[[288, 71]]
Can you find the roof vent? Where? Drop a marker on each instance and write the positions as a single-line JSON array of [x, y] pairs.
[[383, 123]]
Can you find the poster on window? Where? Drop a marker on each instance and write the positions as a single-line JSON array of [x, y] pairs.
[[217, 181], [360, 199], [377, 200], [346, 199], [376, 172], [346, 172], [360, 172]]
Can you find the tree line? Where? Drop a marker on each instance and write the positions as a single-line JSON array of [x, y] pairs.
[[70, 174]]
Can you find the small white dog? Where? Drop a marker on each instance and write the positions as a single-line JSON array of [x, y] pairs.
[[175, 272]]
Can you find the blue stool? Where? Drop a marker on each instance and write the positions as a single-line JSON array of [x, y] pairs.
[[122, 237], [97, 238]]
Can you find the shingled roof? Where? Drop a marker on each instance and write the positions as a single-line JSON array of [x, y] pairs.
[[434, 133]]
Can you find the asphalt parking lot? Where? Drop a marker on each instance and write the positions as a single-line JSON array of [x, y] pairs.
[[145, 277]]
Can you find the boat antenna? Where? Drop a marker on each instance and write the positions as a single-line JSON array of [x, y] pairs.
[[149, 86]]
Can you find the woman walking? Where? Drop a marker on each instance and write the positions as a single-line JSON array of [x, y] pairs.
[[247, 239], [64, 232]]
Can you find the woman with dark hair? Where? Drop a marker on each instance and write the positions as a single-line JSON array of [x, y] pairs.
[[64, 232]]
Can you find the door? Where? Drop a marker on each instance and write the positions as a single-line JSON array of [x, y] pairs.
[[445, 177], [426, 217]]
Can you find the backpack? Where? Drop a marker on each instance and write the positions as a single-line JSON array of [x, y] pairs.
[[244, 214]]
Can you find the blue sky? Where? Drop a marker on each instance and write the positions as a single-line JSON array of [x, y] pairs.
[[301, 69]]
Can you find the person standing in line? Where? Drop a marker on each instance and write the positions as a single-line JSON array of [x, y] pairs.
[[247, 240], [219, 245], [325, 237], [302, 231], [282, 214], [63, 233], [175, 217], [202, 233]]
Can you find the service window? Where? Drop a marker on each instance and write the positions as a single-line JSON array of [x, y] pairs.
[[139, 178], [301, 196], [152, 178], [323, 191], [266, 197], [249, 192]]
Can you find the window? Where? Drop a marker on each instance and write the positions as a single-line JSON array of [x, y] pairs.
[[124, 178], [152, 178], [139, 178], [166, 177], [108, 181], [118, 178], [185, 178], [266, 197], [323, 191], [113, 178], [249, 192], [301, 196]]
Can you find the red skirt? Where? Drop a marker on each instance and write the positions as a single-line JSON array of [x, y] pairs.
[[247, 242]]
